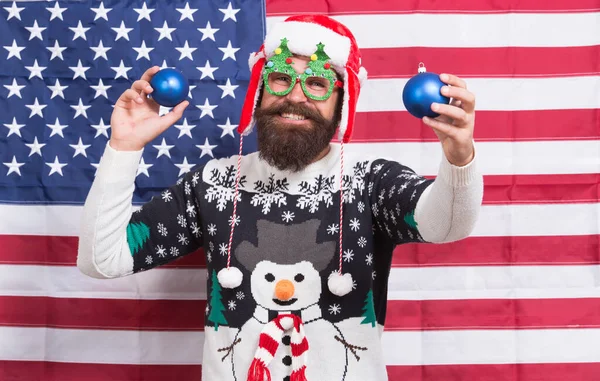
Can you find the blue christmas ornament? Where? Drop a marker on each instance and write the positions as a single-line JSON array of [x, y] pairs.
[[421, 91], [170, 87]]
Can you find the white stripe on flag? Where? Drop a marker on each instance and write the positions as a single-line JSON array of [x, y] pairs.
[[471, 30], [491, 347], [399, 348], [69, 282], [494, 220], [496, 94], [405, 283]]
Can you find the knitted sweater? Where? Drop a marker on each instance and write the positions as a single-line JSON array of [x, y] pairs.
[[286, 234]]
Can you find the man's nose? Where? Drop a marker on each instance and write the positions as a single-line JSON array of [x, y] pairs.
[[297, 94]]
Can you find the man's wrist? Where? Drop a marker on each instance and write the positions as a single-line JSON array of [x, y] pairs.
[[120, 145]]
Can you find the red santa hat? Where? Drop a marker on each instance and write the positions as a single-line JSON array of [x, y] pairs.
[[304, 33]]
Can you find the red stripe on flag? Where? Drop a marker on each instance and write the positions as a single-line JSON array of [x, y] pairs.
[[188, 315], [492, 314], [396, 126], [574, 371], [122, 314], [54, 371], [58, 371], [484, 62], [489, 251], [286, 7]]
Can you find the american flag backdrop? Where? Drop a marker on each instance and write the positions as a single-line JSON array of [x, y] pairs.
[[517, 301]]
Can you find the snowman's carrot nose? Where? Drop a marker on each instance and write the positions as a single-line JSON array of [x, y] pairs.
[[284, 290]]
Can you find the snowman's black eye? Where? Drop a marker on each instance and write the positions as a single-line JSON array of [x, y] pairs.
[[269, 277], [299, 278]]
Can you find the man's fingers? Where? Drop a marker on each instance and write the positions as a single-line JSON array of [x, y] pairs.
[[147, 76], [454, 113], [142, 86], [173, 116], [453, 80], [466, 98], [131, 95], [439, 126]]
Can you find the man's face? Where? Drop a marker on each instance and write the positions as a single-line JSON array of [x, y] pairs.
[[294, 129]]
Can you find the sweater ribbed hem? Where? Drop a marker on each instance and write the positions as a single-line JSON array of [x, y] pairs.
[[458, 176]]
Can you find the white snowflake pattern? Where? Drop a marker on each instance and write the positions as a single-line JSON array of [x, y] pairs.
[[373, 275], [333, 229], [174, 251], [187, 188], [355, 224], [162, 229], [231, 305], [369, 259], [181, 220], [375, 210], [268, 199], [235, 220], [402, 188], [183, 240], [196, 230], [287, 216], [211, 246], [361, 206], [209, 256], [223, 247], [335, 309], [348, 255], [212, 229], [179, 181], [362, 242], [148, 260], [377, 168], [190, 209], [161, 251], [414, 194], [240, 295], [195, 179], [166, 195], [371, 187]]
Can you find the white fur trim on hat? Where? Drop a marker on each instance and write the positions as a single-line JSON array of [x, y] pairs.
[[303, 38]]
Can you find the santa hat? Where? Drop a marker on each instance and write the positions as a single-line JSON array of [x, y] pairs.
[[303, 35]]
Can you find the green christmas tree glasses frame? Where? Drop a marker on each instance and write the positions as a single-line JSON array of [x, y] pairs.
[[317, 80]]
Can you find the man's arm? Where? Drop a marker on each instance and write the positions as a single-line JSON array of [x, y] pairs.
[[408, 207], [115, 242]]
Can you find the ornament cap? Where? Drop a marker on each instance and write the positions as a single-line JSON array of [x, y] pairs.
[[422, 68]]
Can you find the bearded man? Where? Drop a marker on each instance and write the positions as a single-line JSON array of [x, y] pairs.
[[297, 236]]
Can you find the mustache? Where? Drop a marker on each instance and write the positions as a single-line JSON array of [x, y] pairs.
[[286, 107]]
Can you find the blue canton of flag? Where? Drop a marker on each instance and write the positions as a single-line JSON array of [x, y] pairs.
[[63, 65]]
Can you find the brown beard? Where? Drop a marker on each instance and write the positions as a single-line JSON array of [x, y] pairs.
[[289, 147]]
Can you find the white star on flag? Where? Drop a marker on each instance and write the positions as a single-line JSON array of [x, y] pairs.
[[14, 166], [56, 167], [144, 12], [101, 12], [229, 13], [36, 147]]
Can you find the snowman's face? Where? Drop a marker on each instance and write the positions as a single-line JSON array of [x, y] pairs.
[[285, 287]]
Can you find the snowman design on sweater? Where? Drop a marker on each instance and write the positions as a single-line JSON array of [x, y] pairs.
[[286, 244]]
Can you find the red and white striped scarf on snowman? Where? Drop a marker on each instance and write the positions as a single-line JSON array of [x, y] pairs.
[[269, 341]]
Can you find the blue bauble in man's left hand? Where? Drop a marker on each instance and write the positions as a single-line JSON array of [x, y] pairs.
[[421, 91], [170, 87]]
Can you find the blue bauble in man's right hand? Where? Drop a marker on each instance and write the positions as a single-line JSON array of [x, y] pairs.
[[170, 87], [421, 91]]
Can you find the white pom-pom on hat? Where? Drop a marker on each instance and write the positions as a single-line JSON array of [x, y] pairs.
[[339, 284], [230, 277]]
